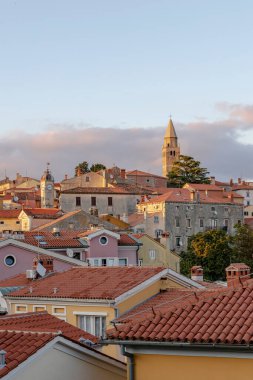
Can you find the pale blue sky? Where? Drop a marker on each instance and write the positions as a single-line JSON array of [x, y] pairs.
[[115, 63]]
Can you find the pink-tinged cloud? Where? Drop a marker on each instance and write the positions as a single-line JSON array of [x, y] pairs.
[[215, 144]]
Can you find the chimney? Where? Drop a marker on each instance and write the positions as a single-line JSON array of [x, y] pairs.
[[231, 197], [66, 176], [239, 181], [46, 261], [197, 273], [78, 173], [237, 274], [2, 359], [212, 180], [192, 195], [231, 182], [123, 173]]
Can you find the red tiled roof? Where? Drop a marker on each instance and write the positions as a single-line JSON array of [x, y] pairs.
[[127, 240], [124, 189], [164, 301], [20, 280], [225, 318], [87, 283], [202, 187], [184, 195], [66, 239], [140, 173], [9, 213], [19, 346], [43, 322], [44, 213]]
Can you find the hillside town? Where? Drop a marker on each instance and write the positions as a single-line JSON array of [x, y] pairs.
[[117, 273]]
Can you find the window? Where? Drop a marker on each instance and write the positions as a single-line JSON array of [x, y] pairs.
[[213, 223], [103, 240], [87, 179], [177, 208], [152, 254], [201, 223], [59, 310], [225, 222], [109, 201], [212, 208], [78, 201], [1, 222], [140, 262], [38, 308], [188, 223], [122, 262], [247, 194], [177, 221], [226, 209], [96, 262], [178, 241], [110, 262], [21, 308], [93, 201], [248, 203], [93, 324], [156, 219], [9, 260], [103, 262], [246, 213], [17, 222]]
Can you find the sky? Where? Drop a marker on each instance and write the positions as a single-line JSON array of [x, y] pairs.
[[97, 80]]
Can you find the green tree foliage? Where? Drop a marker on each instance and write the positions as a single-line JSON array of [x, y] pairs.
[[212, 250], [97, 167], [187, 170], [82, 168], [243, 245]]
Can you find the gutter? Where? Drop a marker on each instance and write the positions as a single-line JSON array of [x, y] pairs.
[[130, 362], [179, 346]]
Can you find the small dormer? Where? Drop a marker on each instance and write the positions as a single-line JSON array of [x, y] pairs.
[[237, 273]]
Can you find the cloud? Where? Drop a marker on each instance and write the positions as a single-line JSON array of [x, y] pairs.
[[215, 144]]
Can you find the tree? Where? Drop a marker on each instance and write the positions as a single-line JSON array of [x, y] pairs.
[[212, 250], [82, 168], [243, 245], [187, 170], [96, 167]]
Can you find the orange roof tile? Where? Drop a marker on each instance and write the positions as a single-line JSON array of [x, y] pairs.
[[184, 195], [19, 346], [142, 174], [225, 318], [43, 322], [44, 213], [87, 283], [9, 213], [166, 300]]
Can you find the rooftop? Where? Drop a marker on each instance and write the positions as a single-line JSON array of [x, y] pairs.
[[43, 322], [86, 283], [225, 318]]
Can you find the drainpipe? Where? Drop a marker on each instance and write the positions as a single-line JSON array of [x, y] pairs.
[[130, 362]]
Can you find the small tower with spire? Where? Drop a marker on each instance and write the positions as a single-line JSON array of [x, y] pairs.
[[47, 189], [170, 149]]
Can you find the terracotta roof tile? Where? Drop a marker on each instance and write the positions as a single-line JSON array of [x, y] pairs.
[[195, 324], [51, 213], [43, 322], [9, 213], [87, 283], [20, 345]]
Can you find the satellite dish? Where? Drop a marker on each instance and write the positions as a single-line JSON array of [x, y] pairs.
[[70, 252], [15, 199]]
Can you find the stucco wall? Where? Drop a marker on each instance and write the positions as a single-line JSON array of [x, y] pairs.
[[58, 365], [122, 203], [24, 261], [150, 367]]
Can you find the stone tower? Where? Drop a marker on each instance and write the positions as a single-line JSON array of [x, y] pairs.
[[170, 149], [47, 189]]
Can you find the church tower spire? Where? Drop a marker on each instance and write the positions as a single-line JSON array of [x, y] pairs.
[[170, 149]]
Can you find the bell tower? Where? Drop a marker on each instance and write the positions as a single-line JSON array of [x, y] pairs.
[[47, 189], [170, 149]]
